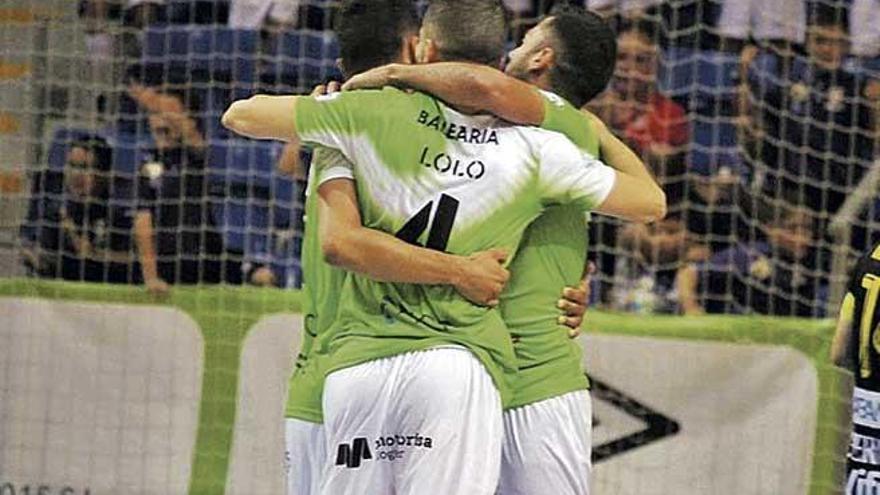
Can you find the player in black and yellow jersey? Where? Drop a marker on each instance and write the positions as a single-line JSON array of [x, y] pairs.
[[856, 346]]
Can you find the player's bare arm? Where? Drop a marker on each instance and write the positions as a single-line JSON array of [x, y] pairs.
[[263, 117], [346, 243], [143, 236], [840, 345], [636, 196], [474, 87]]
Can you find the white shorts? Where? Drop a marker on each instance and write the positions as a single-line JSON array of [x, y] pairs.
[[413, 424], [304, 457], [547, 447]]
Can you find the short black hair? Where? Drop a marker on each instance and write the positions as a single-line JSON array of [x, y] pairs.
[[586, 53], [371, 31], [829, 16], [468, 30]]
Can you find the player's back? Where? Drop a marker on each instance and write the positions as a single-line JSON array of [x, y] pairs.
[[448, 181]]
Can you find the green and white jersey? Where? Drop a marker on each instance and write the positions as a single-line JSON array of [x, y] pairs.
[[551, 256], [323, 284], [450, 182]]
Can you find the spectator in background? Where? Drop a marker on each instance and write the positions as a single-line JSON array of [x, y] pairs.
[[654, 125], [74, 230], [809, 131], [776, 275], [644, 279], [177, 238]]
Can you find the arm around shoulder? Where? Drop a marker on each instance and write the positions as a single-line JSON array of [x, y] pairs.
[[263, 117], [634, 199], [636, 196]]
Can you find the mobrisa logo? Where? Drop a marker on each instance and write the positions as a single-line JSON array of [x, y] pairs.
[[351, 456], [386, 447], [404, 441]]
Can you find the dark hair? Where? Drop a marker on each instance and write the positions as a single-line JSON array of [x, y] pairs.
[[829, 15], [586, 52], [101, 171], [371, 31], [646, 28], [468, 30]]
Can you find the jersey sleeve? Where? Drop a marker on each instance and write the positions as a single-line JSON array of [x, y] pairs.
[[569, 176], [331, 164], [335, 120], [326, 120], [562, 117]]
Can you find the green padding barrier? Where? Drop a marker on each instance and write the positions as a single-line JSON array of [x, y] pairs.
[[225, 314]]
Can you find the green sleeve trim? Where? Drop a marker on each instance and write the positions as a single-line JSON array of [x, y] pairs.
[[560, 116]]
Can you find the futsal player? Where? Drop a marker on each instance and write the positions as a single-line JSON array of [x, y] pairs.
[[856, 346]]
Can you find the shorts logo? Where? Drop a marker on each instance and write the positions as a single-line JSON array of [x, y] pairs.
[[386, 448], [351, 456]]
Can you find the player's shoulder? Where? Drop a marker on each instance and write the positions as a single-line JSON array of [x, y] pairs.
[[540, 137], [867, 264], [553, 98], [368, 97]]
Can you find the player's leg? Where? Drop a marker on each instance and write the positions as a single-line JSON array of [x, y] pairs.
[[547, 447], [447, 425], [356, 402], [305, 456]]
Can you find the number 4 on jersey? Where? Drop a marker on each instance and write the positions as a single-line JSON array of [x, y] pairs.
[[441, 227]]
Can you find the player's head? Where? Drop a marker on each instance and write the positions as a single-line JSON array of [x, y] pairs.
[[374, 33], [463, 31], [570, 52]]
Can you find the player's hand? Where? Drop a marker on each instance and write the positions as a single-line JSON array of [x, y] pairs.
[[482, 277], [371, 79], [574, 304], [327, 89], [157, 286]]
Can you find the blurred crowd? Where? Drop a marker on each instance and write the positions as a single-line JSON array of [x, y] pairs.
[[758, 118]]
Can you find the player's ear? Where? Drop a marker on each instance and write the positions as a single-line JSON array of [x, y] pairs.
[[429, 52], [542, 60], [340, 64], [409, 49]]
